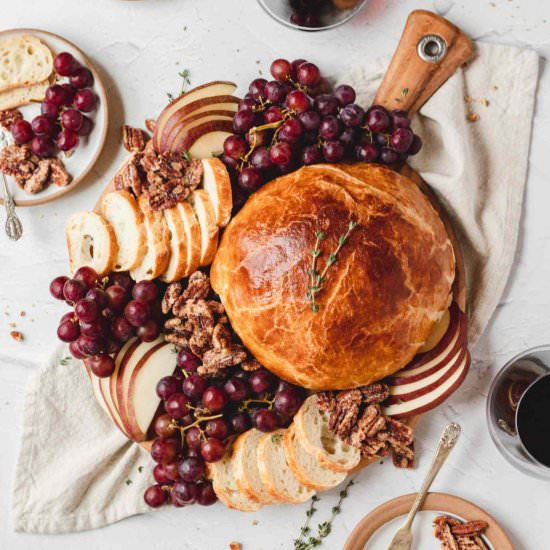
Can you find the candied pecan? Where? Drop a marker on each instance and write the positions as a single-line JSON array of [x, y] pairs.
[[193, 174], [177, 339], [221, 337], [179, 326], [215, 360], [198, 286], [199, 342], [150, 124], [8, 117], [404, 457], [133, 139], [250, 365], [130, 176], [375, 393], [199, 313], [149, 157], [475, 527], [172, 293], [348, 405], [58, 174], [326, 401], [367, 425], [38, 181]]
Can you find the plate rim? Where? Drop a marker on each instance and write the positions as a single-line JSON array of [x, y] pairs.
[[435, 502], [103, 137]]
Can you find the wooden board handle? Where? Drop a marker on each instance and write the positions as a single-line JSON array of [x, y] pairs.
[[429, 52]]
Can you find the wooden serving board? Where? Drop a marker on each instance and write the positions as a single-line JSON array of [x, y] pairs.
[[408, 83]]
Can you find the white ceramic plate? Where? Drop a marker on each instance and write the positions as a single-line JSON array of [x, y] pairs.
[[87, 153]]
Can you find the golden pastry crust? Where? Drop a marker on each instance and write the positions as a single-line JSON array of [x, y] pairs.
[[380, 300]]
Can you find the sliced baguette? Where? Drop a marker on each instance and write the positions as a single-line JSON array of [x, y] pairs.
[[121, 210], [245, 467], [192, 237], [91, 242], [156, 258], [217, 184], [24, 61], [311, 429], [275, 472], [207, 220], [177, 266], [17, 97], [225, 487], [305, 466]]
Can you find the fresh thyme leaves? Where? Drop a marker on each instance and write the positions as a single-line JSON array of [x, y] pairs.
[[186, 81], [276, 438], [317, 278], [128, 482], [404, 92], [306, 541], [65, 361], [185, 156], [140, 469]]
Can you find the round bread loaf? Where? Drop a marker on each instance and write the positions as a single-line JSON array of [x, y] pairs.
[[377, 302]]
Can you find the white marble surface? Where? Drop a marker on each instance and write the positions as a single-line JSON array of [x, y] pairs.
[[139, 48]]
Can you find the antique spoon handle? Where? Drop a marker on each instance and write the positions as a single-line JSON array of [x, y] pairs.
[[446, 443], [14, 228]]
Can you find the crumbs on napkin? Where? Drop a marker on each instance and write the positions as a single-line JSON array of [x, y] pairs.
[[16, 335]]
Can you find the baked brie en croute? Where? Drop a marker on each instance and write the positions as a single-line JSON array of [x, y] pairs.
[[335, 276]]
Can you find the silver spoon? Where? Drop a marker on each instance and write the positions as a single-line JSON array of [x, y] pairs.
[[14, 228], [403, 538]]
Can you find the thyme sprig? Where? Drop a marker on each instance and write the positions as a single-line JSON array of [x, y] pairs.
[[185, 81], [306, 541], [316, 278]]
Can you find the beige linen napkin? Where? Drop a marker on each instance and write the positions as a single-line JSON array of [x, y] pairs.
[[76, 471]]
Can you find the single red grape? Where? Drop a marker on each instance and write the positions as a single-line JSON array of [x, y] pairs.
[[65, 64], [86, 127], [51, 110], [235, 146], [247, 104], [76, 351], [265, 420], [168, 386], [67, 140], [330, 127], [217, 427], [344, 94], [161, 475], [98, 296], [149, 331], [333, 151], [389, 156], [90, 345], [206, 495], [401, 139], [294, 66], [251, 179], [243, 121], [193, 438], [136, 313], [416, 145], [86, 310], [214, 399], [185, 492], [290, 131], [310, 120], [261, 381], [42, 146], [287, 402], [74, 290], [165, 450], [56, 287], [311, 155], [21, 131], [280, 69], [56, 94], [236, 389], [352, 115], [87, 275], [188, 361], [81, 78], [155, 496], [260, 158], [275, 91], [326, 104], [122, 330], [297, 101], [191, 469], [68, 331], [177, 405], [194, 386], [367, 152], [164, 426], [102, 365], [212, 449], [72, 119], [281, 153], [273, 114], [378, 119], [85, 100], [240, 422], [308, 75]]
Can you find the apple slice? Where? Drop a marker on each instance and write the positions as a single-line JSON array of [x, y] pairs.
[[191, 132], [142, 400], [437, 333], [178, 121], [217, 184], [192, 231], [423, 386], [210, 144], [141, 351], [210, 89], [432, 399], [207, 221], [178, 246], [426, 364]]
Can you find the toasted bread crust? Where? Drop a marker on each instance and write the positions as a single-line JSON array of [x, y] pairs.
[[222, 183]]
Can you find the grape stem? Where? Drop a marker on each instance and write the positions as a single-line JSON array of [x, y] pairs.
[[247, 402]]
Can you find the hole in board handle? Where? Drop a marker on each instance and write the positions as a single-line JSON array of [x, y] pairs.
[[431, 48]]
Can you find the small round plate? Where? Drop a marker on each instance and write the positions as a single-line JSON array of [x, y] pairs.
[[376, 530], [89, 149]]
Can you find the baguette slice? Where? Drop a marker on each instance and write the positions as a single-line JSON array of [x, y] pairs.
[[121, 210], [275, 472], [24, 61], [311, 429], [207, 220], [216, 183], [91, 242], [177, 266], [306, 468], [192, 237], [17, 97], [245, 467], [156, 258], [225, 487]]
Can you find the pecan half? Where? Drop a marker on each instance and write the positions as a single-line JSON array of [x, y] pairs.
[[133, 139]]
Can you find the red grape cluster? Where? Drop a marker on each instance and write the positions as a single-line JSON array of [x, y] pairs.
[[306, 13], [106, 313], [198, 416], [296, 120], [61, 122]]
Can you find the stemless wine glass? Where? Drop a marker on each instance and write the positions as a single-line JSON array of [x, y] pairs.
[[331, 17], [507, 389]]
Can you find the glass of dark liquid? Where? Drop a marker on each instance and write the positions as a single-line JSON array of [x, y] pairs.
[[518, 411]]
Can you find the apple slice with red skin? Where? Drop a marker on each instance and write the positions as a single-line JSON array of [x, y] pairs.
[[424, 386], [142, 400], [186, 137], [210, 144], [209, 89], [430, 400], [425, 364], [186, 124], [226, 103], [142, 351]]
